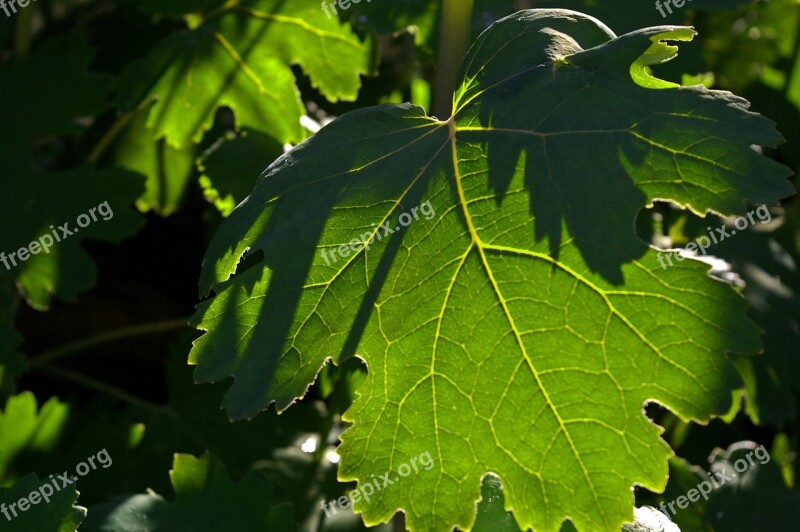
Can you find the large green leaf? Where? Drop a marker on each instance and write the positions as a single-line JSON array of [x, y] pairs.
[[518, 325], [240, 55]]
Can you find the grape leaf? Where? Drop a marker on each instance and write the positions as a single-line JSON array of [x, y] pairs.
[[27, 430], [230, 167], [240, 55], [44, 97], [521, 327], [167, 169], [57, 515], [205, 499]]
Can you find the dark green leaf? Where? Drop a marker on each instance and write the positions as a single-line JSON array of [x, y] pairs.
[[43, 98], [206, 499], [56, 515]]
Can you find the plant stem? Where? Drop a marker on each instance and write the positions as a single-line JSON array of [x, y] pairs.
[[794, 66], [107, 337], [109, 137], [453, 44], [97, 385], [23, 29], [117, 393]]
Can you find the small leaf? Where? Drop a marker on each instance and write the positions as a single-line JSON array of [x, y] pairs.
[[25, 430], [231, 167]]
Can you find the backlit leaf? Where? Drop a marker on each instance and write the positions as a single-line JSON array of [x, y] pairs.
[[239, 55], [511, 320]]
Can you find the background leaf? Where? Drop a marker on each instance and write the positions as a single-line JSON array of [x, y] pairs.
[[239, 55]]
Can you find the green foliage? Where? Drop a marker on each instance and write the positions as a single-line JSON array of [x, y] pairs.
[[168, 169], [58, 515], [752, 498], [206, 499], [33, 199], [24, 429], [228, 167], [519, 330], [562, 321], [239, 55]]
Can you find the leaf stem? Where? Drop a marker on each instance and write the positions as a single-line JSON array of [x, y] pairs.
[[107, 337], [109, 136], [23, 29], [97, 385], [453, 44], [794, 66], [120, 394]]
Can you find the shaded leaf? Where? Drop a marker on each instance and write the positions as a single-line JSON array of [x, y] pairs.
[[754, 496], [230, 167], [43, 98], [205, 499], [57, 515], [12, 362]]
